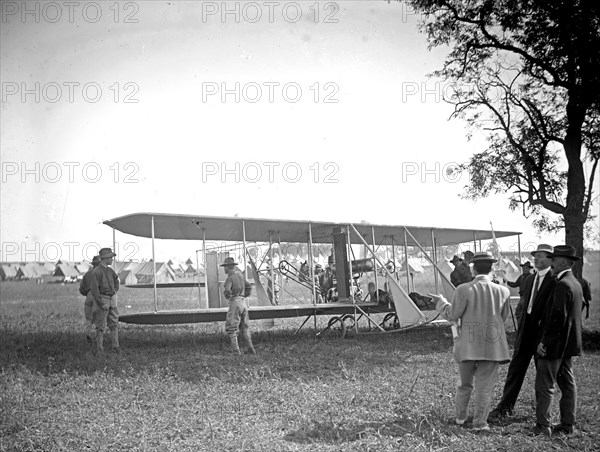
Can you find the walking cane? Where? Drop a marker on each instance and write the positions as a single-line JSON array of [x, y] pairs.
[[513, 316]]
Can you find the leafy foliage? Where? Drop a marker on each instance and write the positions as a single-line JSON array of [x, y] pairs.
[[527, 72]]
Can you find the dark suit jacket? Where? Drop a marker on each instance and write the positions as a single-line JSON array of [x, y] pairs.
[[529, 325], [520, 283], [561, 324]]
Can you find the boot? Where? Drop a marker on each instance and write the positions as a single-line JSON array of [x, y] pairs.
[[235, 348], [90, 333], [114, 338], [99, 342], [248, 339]]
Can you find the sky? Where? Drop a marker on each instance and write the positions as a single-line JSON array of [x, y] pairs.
[[288, 110]]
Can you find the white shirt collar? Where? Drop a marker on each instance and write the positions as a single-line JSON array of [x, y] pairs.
[[562, 273], [543, 272]]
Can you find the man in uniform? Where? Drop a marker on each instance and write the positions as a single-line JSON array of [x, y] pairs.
[[85, 289], [462, 272], [454, 278], [104, 284], [237, 289], [537, 291], [520, 282]]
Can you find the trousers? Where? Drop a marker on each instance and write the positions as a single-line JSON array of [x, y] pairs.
[[103, 318], [88, 307], [237, 316], [549, 372], [484, 373]]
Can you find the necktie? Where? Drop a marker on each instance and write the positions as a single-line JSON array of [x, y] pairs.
[[533, 294]]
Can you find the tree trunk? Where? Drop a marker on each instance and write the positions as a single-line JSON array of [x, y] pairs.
[[574, 215], [574, 237]]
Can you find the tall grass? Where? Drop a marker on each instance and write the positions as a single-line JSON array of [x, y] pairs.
[[177, 387]]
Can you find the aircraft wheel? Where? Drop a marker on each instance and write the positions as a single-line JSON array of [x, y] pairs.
[[348, 322], [336, 327]]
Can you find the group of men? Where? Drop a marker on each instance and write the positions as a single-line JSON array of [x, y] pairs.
[[100, 286], [549, 330]]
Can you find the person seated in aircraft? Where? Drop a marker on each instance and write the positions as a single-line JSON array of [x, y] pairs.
[[304, 273], [379, 296], [327, 280]]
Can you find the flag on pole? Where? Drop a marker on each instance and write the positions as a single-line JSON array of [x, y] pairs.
[[495, 250]]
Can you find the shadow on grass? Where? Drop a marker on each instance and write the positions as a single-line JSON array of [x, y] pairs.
[[185, 349], [329, 432]]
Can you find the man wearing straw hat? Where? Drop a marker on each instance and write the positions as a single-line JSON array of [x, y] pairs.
[[560, 340], [85, 289], [538, 289], [237, 289], [104, 285], [481, 307]]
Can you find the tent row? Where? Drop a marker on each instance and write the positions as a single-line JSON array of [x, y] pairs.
[[41, 270], [130, 273]]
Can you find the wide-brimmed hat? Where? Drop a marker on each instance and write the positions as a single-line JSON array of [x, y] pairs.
[[455, 259], [565, 251], [229, 261], [527, 264], [484, 257], [96, 260], [542, 247], [106, 252]]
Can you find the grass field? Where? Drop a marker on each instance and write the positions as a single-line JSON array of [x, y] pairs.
[[176, 388]]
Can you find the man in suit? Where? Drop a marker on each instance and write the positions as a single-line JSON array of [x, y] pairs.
[[537, 290], [560, 340], [481, 308]]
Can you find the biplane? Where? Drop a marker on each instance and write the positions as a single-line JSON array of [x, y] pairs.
[[310, 268]]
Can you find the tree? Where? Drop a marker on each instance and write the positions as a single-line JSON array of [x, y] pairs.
[[527, 73]]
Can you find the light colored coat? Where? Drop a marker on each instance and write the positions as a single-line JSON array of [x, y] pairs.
[[481, 307]]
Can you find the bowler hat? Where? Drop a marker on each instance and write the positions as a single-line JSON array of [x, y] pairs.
[[527, 264], [96, 260], [565, 251], [542, 247], [106, 252], [229, 261], [455, 259], [484, 256], [468, 253]]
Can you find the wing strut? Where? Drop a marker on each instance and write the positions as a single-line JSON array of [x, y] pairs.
[[406, 309]]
